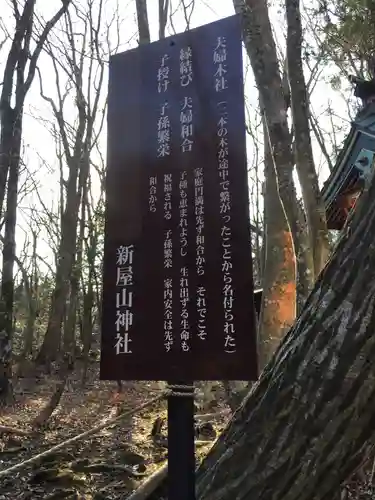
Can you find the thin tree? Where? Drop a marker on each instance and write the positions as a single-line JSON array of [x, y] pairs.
[[82, 67], [307, 175], [279, 279]]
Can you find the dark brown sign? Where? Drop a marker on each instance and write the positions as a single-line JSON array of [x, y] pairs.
[[178, 285]]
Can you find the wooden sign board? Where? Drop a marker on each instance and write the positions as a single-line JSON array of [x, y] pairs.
[[178, 284]]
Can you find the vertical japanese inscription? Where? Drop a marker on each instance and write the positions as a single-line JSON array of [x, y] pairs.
[[168, 265], [164, 150], [152, 199], [186, 112], [164, 125], [163, 74], [124, 298], [184, 272], [187, 133], [164, 132], [200, 251], [220, 58], [221, 85], [177, 254]]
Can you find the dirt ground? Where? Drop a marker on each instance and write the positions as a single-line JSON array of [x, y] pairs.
[[105, 466]]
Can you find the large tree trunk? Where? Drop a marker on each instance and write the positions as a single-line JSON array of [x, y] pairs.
[[261, 49], [307, 175], [279, 275], [302, 430]]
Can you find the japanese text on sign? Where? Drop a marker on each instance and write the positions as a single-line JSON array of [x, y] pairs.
[[186, 112], [184, 275], [226, 230], [220, 57], [168, 264], [152, 194], [200, 250], [163, 74], [164, 132], [186, 66], [177, 267], [124, 298], [186, 121], [168, 323]]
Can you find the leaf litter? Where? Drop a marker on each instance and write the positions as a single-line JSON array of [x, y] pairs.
[[108, 465]]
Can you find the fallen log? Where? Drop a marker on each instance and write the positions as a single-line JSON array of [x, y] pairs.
[[4, 429]]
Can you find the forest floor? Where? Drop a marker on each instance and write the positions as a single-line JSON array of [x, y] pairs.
[[109, 464]]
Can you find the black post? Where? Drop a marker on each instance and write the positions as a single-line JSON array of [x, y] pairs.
[[181, 447]]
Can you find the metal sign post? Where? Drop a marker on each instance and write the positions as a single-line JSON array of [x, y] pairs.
[[181, 448]]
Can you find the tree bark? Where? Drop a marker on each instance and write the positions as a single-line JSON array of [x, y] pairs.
[[163, 17], [52, 339], [88, 300], [305, 262], [279, 275], [32, 293], [313, 204], [12, 158], [302, 430], [142, 19]]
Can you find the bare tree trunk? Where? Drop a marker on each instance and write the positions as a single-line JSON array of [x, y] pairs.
[[52, 339], [163, 17], [305, 263], [6, 145], [69, 333], [261, 49], [69, 341], [142, 18], [87, 326], [9, 249], [88, 295], [29, 331], [307, 175], [32, 292], [279, 276]]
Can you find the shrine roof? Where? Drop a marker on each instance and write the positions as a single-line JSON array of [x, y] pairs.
[[353, 168]]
